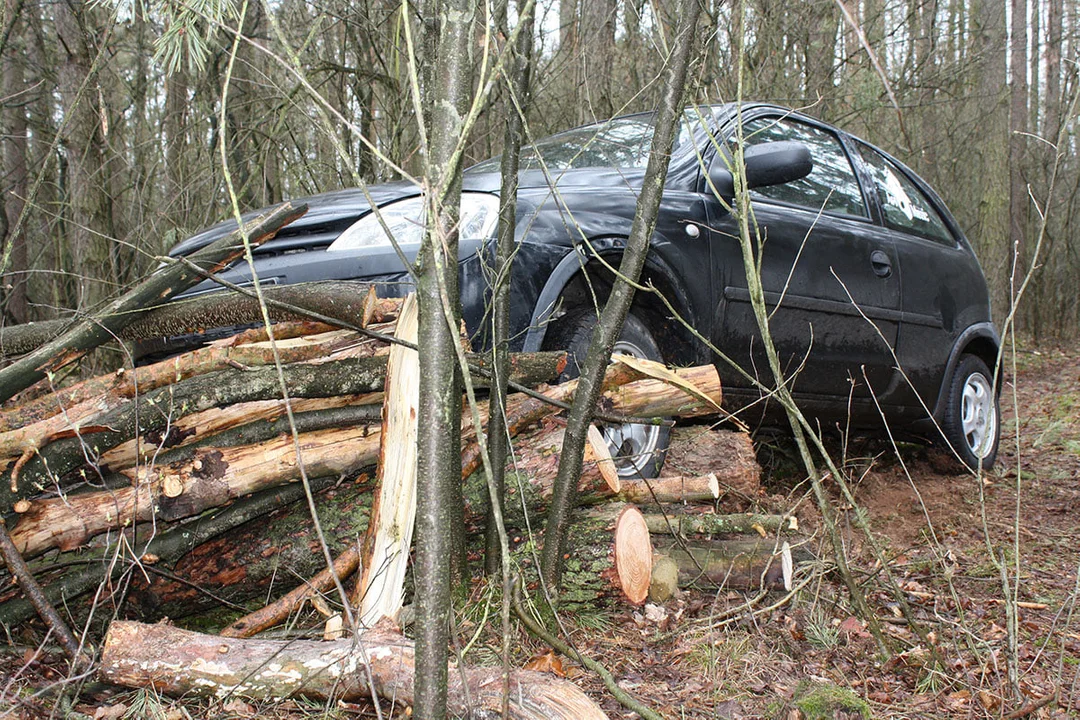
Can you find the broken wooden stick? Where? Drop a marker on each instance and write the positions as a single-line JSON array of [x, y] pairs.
[[381, 589]]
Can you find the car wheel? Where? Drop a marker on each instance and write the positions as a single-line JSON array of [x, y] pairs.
[[972, 423], [638, 450]]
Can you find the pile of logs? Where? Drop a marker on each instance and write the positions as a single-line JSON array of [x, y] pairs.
[[174, 487]]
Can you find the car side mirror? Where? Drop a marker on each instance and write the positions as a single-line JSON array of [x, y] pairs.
[[772, 163]]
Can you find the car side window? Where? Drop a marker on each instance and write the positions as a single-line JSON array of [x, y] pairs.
[[831, 186], [905, 206]]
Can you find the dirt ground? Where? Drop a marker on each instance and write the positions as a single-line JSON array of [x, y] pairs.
[[973, 584]]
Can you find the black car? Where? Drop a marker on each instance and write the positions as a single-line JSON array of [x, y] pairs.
[[878, 305]]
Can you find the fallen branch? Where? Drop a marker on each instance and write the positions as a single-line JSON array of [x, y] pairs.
[[17, 566], [278, 611]]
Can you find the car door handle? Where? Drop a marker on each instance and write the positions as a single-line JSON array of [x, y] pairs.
[[881, 263]]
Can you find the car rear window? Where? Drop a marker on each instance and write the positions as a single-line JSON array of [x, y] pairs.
[[904, 205]]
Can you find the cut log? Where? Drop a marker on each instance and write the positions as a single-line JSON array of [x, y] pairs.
[[180, 663], [214, 477], [167, 282], [633, 554], [671, 489], [625, 393], [534, 466], [609, 559], [732, 564], [156, 411], [710, 523], [265, 557], [352, 302], [68, 410], [380, 592], [697, 451]]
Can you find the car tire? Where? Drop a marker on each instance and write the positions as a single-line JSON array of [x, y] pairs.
[[638, 450], [972, 421]]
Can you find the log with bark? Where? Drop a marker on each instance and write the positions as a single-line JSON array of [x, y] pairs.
[[732, 564], [33, 425], [65, 584], [212, 478], [377, 662], [152, 415], [346, 301], [697, 521], [266, 557]]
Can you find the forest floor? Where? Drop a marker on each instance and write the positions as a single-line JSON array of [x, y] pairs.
[[962, 554]]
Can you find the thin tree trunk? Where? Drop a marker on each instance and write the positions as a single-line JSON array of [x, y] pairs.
[[622, 294], [439, 508], [15, 147], [497, 439], [1018, 124]]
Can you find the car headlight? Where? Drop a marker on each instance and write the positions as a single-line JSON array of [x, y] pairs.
[[405, 221]]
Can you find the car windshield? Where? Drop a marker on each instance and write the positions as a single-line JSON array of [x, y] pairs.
[[619, 143]]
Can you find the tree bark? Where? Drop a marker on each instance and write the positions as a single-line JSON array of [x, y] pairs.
[[347, 301], [165, 283], [622, 294], [156, 411], [211, 479], [381, 661], [732, 564]]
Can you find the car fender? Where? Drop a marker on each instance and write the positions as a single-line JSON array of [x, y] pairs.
[[978, 331], [610, 248]]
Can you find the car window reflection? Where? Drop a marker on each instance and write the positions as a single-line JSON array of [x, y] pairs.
[[904, 205], [831, 186], [620, 143]]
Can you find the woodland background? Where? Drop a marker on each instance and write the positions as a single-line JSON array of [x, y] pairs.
[[113, 151]]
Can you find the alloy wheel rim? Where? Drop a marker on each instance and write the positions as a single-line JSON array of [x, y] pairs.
[[978, 415], [631, 444]]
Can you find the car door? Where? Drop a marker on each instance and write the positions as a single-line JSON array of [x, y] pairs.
[[940, 277], [830, 277]]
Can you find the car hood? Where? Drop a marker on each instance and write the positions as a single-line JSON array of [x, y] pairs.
[[330, 213]]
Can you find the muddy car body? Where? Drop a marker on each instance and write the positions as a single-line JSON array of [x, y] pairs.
[[878, 305]]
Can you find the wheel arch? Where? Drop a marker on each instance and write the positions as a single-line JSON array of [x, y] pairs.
[[569, 283], [981, 340]]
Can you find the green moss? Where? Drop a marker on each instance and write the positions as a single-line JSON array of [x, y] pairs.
[[822, 702]]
